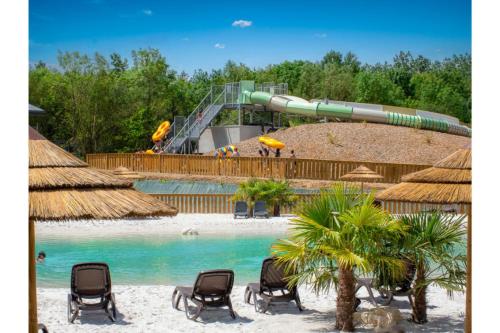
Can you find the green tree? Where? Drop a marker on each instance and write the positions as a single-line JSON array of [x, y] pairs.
[[335, 237], [433, 242], [309, 85], [433, 93], [376, 87]]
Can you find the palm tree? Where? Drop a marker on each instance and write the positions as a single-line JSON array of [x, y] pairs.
[[432, 243], [249, 191], [336, 236], [275, 193]]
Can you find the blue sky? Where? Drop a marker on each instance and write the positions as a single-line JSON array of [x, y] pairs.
[[205, 34]]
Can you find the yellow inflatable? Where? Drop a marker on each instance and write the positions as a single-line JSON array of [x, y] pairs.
[[270, 142], [149, 152], [161, 131]]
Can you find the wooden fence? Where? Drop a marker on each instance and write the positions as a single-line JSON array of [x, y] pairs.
[[278, 168], [224, 204], [212, 203], [399, 207]]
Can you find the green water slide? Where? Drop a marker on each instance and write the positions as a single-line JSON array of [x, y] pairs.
[[299, 106]]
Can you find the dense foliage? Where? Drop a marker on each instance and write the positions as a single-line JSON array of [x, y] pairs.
[[99, 104]]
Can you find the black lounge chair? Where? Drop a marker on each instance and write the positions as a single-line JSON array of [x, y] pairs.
[[240, 209], [211, 289], [400, 288], [91, 281], [272, 288], [260, 210]]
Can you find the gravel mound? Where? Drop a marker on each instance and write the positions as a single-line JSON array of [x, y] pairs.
[[362, 142]]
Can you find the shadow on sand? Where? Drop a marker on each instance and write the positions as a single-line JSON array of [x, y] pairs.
[[100, 318], [435, 324]]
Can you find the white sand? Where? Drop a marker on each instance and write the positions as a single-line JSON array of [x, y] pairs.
[[148, 308], [203, 223]]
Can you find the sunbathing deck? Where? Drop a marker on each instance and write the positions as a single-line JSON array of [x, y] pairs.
[[148, 309]]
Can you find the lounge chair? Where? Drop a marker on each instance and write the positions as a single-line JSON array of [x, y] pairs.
[[240, 209], [401, 288], [211, 289], [272, 288], [91, 281], [260, 210], [43, 328]]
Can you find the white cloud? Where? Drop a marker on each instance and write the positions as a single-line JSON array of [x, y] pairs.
[[147, 12], [242, 23], [219, 46], [321, 35]]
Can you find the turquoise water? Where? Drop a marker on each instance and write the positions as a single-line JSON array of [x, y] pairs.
[[157, 259]]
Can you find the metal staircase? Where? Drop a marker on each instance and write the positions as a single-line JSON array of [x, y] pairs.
[[187, 131]]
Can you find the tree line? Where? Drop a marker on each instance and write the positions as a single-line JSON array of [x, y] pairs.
[[114, 104]]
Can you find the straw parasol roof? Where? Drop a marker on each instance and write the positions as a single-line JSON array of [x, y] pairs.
[[448, 181], [361, 174], [126, 173], [62, 186]]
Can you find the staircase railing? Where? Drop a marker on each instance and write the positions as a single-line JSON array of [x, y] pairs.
[[192, 120]]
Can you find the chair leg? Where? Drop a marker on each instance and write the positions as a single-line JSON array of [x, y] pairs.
[[299, 304], [255, 301], [176, 297], [111, 312], [246, 297], [372, 297], [43, 328], [196, 314], [230, 306]]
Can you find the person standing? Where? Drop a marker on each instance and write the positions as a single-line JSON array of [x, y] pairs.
[[293, 166], [277, 153]]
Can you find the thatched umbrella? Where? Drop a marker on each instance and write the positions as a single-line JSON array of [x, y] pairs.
[[62, 187], [449, 181], [126, 173], [361, 174]]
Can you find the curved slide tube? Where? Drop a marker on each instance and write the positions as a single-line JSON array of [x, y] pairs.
[[301, 107]]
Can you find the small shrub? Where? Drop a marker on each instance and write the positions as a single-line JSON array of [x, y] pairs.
[[332, 139], [428, 138]]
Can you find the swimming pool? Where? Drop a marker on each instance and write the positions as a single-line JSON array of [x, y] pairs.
[[154, 259]]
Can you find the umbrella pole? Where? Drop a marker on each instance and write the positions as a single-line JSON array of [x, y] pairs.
[[468, 293], [33, 321]]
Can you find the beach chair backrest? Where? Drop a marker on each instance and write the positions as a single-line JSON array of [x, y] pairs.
[[260, 206], [90, 279], [214, 283], [272, 275], [241, 207]]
